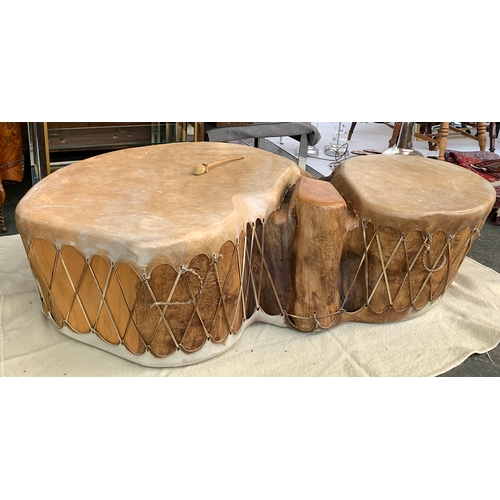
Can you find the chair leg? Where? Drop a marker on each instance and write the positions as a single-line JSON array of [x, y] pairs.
[[427, 130], [302, 156], [481, 135], [493, 135], [351, 130], [395, 134], [443, 138]]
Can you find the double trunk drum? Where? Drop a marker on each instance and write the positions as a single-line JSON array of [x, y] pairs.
[[135, 254]]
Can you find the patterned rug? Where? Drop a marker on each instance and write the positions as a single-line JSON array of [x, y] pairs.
[[487, 165]]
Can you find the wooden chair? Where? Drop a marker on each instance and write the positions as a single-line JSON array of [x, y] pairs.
[[439, 140]]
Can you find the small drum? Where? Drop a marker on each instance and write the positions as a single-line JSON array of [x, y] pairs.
[[135, 255], [415, 219]]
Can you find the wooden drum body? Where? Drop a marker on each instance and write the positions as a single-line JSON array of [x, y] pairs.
[[135, 255], [415, 221]]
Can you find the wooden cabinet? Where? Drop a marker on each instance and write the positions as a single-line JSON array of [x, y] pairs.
[[56, 144]]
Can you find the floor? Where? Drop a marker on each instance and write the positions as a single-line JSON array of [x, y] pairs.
[[366, 136]]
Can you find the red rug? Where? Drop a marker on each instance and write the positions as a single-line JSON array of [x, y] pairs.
[[485, 164]]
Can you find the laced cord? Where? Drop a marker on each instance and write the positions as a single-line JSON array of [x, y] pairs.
[[427, 245], [182, 270]]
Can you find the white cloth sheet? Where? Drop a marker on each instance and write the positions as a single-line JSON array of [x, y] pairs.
[[465, 320]]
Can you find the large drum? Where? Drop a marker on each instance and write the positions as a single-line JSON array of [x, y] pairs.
[[135, 255]]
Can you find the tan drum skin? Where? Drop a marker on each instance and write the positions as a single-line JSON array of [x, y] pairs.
[[135, 255]]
